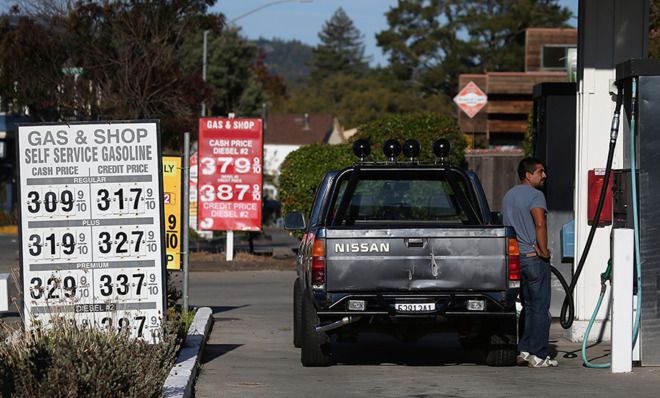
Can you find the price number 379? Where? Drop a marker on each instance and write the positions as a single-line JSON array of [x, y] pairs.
[[210, 166]]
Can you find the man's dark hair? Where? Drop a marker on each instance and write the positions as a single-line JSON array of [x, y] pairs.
[[527, 165]]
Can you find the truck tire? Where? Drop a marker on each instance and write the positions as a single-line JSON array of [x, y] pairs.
[[315, 347], [502, 349], [297, 314]]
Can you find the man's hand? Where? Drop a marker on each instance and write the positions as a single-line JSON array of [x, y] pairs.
[[543, 253]]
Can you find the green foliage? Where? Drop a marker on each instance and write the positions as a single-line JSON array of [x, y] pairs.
[[654, 29], [303, 169], [426, 39], [229, 70], [360, 100], [288, 59], [423, 127], [74, 362], [130, 54], [341, 49]]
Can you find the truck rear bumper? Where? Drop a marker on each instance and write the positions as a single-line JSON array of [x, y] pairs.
[[407, 305]]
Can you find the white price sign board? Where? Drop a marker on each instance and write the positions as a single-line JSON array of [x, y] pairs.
[[91, 225]]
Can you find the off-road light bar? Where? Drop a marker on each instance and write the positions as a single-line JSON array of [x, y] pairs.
[[411, 149], [361, 149], [441, 149], [392, 149]]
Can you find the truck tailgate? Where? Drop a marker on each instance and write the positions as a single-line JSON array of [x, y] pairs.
[[416, 259]]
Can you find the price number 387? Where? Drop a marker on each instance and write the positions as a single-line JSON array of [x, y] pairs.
[[226, 192]]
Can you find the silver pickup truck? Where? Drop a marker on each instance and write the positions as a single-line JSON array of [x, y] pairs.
[[409, 249]]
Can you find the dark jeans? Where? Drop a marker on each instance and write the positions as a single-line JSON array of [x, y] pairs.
[[535, 297]]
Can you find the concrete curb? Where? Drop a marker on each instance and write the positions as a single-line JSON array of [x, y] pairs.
[[179, 383]]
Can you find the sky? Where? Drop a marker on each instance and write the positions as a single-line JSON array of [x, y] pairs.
[[304, 19]]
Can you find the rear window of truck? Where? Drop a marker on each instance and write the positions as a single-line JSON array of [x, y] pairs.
[[398, 197]]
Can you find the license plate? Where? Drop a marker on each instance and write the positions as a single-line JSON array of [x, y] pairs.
[[414, 307]]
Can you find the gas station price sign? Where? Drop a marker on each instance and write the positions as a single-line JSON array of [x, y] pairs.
[[91, 225], [230, 174]]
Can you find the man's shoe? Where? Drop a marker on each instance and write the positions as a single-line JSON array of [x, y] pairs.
[[535, 362], [522, 359]]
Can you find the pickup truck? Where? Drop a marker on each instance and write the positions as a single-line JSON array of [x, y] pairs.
[[408, 248]]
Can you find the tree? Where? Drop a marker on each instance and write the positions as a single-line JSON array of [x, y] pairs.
[[654, 29], [238, 79], [357, 100], [341, 49], [288, 59], [430, 42], [129, 54]]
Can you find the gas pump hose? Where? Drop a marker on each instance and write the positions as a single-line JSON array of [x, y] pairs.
[[604, 277], [567, 314]]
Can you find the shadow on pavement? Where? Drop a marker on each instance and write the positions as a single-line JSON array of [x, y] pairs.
[[212, 351], [437, 349], [225, 308]]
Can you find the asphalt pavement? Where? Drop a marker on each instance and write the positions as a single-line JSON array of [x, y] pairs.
[[250, 354]]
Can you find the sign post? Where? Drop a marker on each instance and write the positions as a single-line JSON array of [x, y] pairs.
[[91, 225], [230, 175], [471, 99]]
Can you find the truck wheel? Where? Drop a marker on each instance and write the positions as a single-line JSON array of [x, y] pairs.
[[315, 348], [297, 314], [503, 345]]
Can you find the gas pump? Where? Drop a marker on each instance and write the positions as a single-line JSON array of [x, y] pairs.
[[634, 266], [636, 199]]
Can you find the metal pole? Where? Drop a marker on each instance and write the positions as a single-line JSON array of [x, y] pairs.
[[186, 215], [204, 57], [229, 243]]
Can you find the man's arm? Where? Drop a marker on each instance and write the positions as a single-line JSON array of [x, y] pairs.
[[538, 214]]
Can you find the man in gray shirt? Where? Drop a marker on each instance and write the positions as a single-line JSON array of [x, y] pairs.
[[524, 208]]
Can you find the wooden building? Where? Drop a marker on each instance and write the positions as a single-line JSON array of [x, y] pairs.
[[503, 121]]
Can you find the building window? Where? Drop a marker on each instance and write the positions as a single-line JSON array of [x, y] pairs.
[[555, 57]]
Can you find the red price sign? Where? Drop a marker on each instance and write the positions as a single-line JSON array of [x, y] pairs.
[[229, 174]]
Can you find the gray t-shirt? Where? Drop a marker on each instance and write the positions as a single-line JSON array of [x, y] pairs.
[[517, 208]]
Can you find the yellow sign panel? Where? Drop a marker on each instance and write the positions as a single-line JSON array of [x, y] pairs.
[[172, 201]]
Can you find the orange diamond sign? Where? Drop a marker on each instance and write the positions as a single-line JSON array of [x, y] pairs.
[[471, 99]]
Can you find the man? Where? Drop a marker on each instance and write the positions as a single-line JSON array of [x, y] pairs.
[[524, 208]]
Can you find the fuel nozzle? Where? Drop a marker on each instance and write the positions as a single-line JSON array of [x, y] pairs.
[[614, 131]]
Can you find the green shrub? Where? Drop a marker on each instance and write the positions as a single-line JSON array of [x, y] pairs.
[[303, 169], [69, 361], [423, 127]]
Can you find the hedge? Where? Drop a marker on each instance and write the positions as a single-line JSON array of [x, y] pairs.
[[303, 169]]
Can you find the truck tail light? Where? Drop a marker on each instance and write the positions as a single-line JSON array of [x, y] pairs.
[[513, 255], [318, 263]]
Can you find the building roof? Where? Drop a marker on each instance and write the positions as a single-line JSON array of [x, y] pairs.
[[298, 128]]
